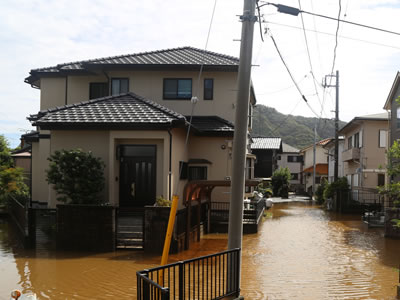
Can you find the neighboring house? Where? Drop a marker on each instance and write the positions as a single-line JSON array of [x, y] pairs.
[[290, 158], [364, 150], [330, 148], [102, 105], [393, 109], [321, 165], [22, 159], [266, 150]]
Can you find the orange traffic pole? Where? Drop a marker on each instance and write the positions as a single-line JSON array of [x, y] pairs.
[[168, 237]]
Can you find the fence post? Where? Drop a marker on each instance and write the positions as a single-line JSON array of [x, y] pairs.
[[146, 286], [237, 271], [165, 294], [181, 284], [31, 228]]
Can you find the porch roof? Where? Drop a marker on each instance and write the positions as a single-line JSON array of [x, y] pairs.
[[211, 125], [321, 169], [125, 111]]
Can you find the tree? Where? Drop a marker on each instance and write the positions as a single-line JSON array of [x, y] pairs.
[[5, 153], [392, 190], [77, 176], [280, 182], [11, 179]]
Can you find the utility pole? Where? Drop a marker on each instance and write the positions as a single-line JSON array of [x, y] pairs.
[[336, 169], [235, 227], [314, 154]]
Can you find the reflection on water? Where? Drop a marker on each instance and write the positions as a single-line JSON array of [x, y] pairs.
[[301, 252]]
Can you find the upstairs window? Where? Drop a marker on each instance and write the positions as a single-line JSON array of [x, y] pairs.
[[208, 89], [119, 86], [98, 90], [382, 138], [398, 117], [357, 140], [350, 143], [180, 89], [292, 158]]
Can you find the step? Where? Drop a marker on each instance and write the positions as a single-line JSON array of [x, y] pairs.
[[129, 235]]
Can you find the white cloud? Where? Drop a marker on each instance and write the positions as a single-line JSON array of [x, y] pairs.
[[43, 33]]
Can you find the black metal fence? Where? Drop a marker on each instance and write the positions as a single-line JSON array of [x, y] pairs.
[[251, 213], [213, 276]]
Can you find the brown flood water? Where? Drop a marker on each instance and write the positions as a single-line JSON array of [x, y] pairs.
[[301, 252]]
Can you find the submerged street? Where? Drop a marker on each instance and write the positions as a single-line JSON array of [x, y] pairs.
[[300, 252]]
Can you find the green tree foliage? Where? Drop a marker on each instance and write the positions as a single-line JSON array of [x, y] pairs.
[[77, 176], [296, 131], [280, 182], [11, 179], [328, 190], [5, 153]]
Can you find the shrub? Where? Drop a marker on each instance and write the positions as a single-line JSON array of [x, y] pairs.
[[339, 187], [280, 182], [319, 193], [12, 185], [77, 176]]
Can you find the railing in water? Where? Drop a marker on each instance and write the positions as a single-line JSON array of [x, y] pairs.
[[213, 276], [251, 212]]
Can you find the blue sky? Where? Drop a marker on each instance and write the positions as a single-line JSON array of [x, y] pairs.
[[45, 33]]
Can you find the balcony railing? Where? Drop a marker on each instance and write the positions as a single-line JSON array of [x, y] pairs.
[[351, 154], [213, 276]]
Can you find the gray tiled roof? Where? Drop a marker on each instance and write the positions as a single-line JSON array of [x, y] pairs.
[[205, 125], [125, 110], [289, 149], [266, 143], [174, 56]]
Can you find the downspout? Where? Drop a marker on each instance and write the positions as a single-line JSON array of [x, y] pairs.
[[108, 82], [170, 165], [66, 90]]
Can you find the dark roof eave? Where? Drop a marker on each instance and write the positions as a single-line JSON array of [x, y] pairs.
[[108, 126], [187, 67], [214, 133]]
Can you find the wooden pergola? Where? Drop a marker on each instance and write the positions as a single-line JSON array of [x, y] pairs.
[[199, 190]]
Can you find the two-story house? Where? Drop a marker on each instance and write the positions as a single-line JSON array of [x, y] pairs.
[[364, 150], [133, 112], [321, 165], [330, 148], [266, 150], [290, 158], [393, 109]]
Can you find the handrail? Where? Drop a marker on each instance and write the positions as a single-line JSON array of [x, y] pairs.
[[213, 276]]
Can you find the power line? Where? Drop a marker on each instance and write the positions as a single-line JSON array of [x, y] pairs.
[[336, 41], [309, 59], [295, 11], [290, 74], [331, 34]]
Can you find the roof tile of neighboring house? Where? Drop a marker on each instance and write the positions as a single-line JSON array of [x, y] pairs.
[[183, 56], [266, 143], [126, 110], [319, 143], [321, 169], [211, 125], [289, 149], [373, 117]]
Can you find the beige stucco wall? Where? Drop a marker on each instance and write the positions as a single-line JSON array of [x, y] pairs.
[[372, 157], [40, 153], [210, 148], [95, 141], [149, 84], [320, 156], [294, 167], [52, 92]]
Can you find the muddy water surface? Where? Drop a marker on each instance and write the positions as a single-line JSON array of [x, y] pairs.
[[301, 252]]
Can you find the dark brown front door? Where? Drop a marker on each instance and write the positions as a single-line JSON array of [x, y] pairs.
[[137, 175]]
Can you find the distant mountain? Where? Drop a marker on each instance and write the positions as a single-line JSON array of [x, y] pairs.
[[297, 131]]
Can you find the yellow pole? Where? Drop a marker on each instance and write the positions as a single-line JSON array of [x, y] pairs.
[[168, 237]]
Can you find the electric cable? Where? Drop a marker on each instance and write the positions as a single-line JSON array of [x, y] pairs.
[[336, 41], [290, 74], [331, 34], [194, 99], [309, 58]]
